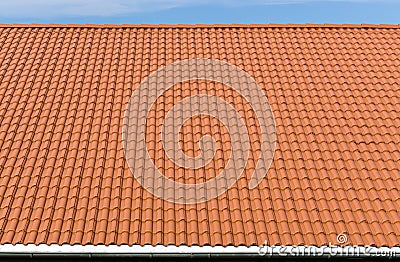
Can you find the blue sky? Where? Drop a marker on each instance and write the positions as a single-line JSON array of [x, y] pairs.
[[199, 11]]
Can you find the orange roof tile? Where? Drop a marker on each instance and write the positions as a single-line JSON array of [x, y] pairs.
[[335, 97]]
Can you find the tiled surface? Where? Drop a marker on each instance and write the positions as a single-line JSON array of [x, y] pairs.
[[336, 99]]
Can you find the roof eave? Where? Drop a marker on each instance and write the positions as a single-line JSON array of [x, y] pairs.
[[270, 25], [150, 251]]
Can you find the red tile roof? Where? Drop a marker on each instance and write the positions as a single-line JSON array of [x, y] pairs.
[[333, 90]]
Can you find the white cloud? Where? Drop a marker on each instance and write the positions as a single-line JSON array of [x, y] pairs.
[[108, 8]]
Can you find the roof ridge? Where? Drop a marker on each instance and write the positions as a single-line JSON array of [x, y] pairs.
[[270, 25]]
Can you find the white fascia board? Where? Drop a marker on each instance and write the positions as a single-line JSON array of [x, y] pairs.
[[197, 251]]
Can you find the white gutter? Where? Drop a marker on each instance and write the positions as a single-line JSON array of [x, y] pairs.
[[32, 250]]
